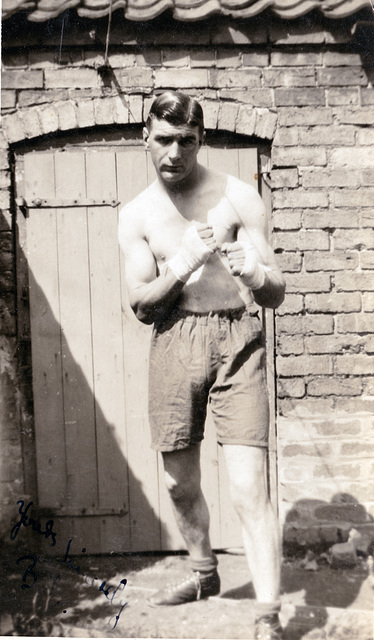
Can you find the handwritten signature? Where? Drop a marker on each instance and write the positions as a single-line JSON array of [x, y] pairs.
[[31, 574]]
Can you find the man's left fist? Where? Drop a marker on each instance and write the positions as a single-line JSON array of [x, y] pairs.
[[244, 261]]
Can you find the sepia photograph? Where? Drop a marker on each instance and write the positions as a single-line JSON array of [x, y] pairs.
[[186, 319]]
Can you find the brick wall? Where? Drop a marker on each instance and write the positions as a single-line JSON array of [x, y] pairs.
[[306, 89]]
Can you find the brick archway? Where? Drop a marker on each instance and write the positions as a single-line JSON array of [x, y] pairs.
[[34, 122]]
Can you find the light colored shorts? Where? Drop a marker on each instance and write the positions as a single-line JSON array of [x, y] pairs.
[[200, 358]]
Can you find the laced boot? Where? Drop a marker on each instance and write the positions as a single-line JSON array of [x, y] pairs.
[[268, 628], [194, 587]]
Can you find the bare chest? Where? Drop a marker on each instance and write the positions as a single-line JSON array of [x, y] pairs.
[[166, 225]]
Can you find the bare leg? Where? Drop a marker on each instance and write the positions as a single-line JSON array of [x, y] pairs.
[[247, 473], [183, 480]]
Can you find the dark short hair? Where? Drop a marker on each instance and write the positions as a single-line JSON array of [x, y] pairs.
[[177, 108]]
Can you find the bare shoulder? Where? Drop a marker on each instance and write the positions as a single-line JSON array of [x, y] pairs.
[[246, 201], [132, 217]]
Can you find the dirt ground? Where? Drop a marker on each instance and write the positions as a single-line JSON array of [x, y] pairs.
[[55, 598]]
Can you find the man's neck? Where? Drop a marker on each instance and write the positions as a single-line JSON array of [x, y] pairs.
[[184, 187]]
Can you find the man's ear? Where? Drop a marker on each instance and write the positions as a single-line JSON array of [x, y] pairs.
[[145, 137], [202, 139]]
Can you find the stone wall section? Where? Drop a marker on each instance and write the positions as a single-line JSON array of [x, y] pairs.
[[309, 94]]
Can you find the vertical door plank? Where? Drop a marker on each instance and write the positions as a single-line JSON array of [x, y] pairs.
[[143, 462], [45, 333], [75, 306], [226, 160], [248, 166], [107, 340]]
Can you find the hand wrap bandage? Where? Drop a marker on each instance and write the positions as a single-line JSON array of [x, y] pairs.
[[192, 255], [253, 272]]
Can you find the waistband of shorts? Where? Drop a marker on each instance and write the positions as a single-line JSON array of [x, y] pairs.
[[204, 317]]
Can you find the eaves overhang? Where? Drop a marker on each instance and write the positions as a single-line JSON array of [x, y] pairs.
[[183, 10]]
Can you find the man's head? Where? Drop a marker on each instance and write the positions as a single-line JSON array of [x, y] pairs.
[[176, 108], [173, 134]]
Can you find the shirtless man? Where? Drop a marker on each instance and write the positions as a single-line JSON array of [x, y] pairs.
[[196, 261]]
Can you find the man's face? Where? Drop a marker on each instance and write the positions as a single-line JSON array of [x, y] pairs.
[[173, 148]]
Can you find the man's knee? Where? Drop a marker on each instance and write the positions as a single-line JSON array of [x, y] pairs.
[[182, 489]]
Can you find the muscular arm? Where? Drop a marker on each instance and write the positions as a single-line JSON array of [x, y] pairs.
[[251, 213], [150, 295]]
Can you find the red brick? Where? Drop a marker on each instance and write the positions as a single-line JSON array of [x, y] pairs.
[[290, 345], [333, 218], [304, 116], [362, 449], [290, 388], [363, 197], [334, 344], [48, 118], [4, 179], [304, 283], [254, 97], [365, 137], [299, 97], [235, 78], [368, 301], [289, 262], [330, 470], [121, 60], [148, 58], [355, 405], [335, 261], [29, 97], [357, 157], [333, 302], [304, 365], [318, 324], [286, 220], [210, 109], [330, 135], [140, 77], [342, 77], [8, 99], [292, 304], [66, 115], [299, 156], [175, 57], [367, 178], [85, 113], [288, 59], [79, 77], [355, 364], [255, 59], [354, 239], [337, 59], [359, 323], [326, 178], [354, 282], [227, 116], [334, 387], [292, 77], [343, 97], [367, 96], [32, 122], [284, 178], [307, 407], [303, 240], [365, 115], [292, 450], [228, 58], [202, 57], [289, 324], [286, 137], [299, 198], [20, 79], [13, 128], [338, 427], [103, 108], [368, 382]]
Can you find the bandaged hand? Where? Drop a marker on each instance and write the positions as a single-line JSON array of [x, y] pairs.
[[197, 246], [244, 262]]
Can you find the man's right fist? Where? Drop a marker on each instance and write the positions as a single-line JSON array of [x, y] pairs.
[[197, 246]]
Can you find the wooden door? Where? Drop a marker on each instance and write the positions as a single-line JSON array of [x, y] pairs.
[[96, 471]]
